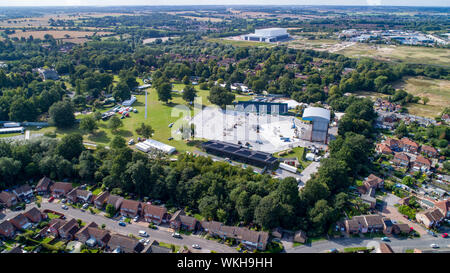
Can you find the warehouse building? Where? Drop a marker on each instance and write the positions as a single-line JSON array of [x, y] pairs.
[[320, 118], [261, 107], [267, 35], [240, 154]]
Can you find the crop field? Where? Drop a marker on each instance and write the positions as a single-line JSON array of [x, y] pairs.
[[203, 19], [407, 54], [438, 91]]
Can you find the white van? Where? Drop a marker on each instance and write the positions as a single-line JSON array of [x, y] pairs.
[[142, 233]]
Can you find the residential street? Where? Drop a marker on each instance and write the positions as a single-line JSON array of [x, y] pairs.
[[133, 228], [398, 245]]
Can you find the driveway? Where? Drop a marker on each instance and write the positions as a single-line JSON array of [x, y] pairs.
[[392, 213]]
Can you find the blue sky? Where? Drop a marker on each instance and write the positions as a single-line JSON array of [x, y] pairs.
[[445, 3]]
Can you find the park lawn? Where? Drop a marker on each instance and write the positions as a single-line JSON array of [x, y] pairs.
[[97, 191]]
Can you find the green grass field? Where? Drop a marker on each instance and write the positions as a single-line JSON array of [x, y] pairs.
[[407, 54], [298, 152], [438, 91]]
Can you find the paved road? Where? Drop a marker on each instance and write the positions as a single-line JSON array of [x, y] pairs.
[[398, 245], [133, 228]]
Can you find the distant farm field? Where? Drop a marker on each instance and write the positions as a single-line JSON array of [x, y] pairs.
[[57, 34], [239, 43], [407, 54], [438, 91]]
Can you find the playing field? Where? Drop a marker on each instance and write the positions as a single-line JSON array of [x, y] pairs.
[[438, 91]]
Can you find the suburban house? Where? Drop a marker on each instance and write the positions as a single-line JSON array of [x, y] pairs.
[[388, 226], [61, 189], [124, 244], [130, 208], [422, 164], [7, 229], [155, 214], [180, 220], [409, 146], [43, 186], [277, 233], [430, 217], [35, 215], [78, 195], [383, 148], [20, 221], [393, 144], [250, 238], [154, 247], [444, 207], [23, 192], [115, 200], [429, 151], [401, 228], [68, 229], [374, 182], [100, 200], [401, 159], [364, 224], [369, 198], [93, 236], [54, 225], [8, 199], [300, 236]]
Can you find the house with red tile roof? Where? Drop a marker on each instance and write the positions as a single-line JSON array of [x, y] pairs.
[[35, 215], [154, 214], [7, 199], [444, 207], [60, 189], [422, 164], [401, 159], [430, 217], [393, 144], [7, 229], [43, 186], [382, 148], [429, 151], [130, 208], [409, 146]]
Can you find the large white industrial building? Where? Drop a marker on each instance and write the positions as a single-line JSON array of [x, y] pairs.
[[267, 35], [320, 118]]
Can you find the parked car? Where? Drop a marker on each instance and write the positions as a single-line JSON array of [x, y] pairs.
[[170, 138], [142, 233], [142, 241], [385, 239], [196, 246], [122, 223], [434, 245], [64, 200], [131, 142], [444, 235], [64, 207], [136, 218], [170, 125], [51, 199], [85, 206], [176, 235], [333, 250]]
